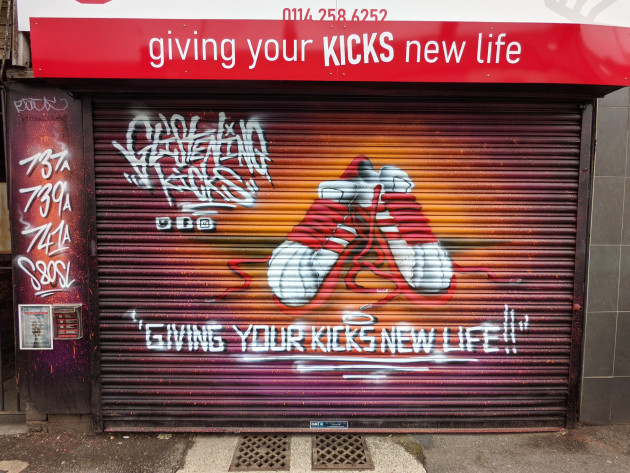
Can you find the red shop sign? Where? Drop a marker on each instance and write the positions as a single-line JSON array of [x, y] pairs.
[[396, 51]]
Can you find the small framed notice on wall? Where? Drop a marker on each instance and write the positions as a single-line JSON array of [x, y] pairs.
[[35, 327]]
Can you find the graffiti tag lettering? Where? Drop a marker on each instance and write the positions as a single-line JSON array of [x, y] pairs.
[[46, 159], [48, 195], [40, 105], [52, 273], [346, 347], [165, 337], [45, 238], [199, 168], [51, 201]]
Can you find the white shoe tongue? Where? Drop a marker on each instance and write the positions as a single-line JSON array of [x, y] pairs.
[[395, 179], [366, 170]]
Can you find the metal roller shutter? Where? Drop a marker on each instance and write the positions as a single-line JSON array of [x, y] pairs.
[[393, 263]]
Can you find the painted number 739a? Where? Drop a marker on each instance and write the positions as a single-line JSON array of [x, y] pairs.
[[48, 194]]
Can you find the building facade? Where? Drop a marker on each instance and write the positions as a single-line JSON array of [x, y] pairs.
[[214, 231]]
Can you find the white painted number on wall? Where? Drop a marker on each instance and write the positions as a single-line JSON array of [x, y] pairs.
[[45, 262]]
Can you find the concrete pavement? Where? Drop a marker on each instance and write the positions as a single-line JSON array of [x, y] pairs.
[[94, 453], [585, 449], [595, 449]]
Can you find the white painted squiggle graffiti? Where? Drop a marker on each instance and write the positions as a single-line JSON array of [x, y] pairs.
[[211, 167], [41, 105], [49, 272]]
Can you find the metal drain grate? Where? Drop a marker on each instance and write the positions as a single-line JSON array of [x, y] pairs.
[[341, 452], [261, 452]]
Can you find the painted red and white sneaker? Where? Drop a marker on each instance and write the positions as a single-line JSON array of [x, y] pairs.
[[299, 266], [423, 262]]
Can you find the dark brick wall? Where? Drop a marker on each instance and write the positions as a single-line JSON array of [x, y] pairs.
[[606, 368]]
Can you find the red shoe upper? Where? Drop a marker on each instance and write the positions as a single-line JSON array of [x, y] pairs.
[[319, 223], [408, 216]]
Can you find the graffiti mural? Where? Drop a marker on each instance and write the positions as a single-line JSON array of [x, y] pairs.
[[361, 214], [368, 208], [417, 266], [366, 220], [212, 166]]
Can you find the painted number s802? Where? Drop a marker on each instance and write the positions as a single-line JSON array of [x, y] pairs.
[[334, 14]]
